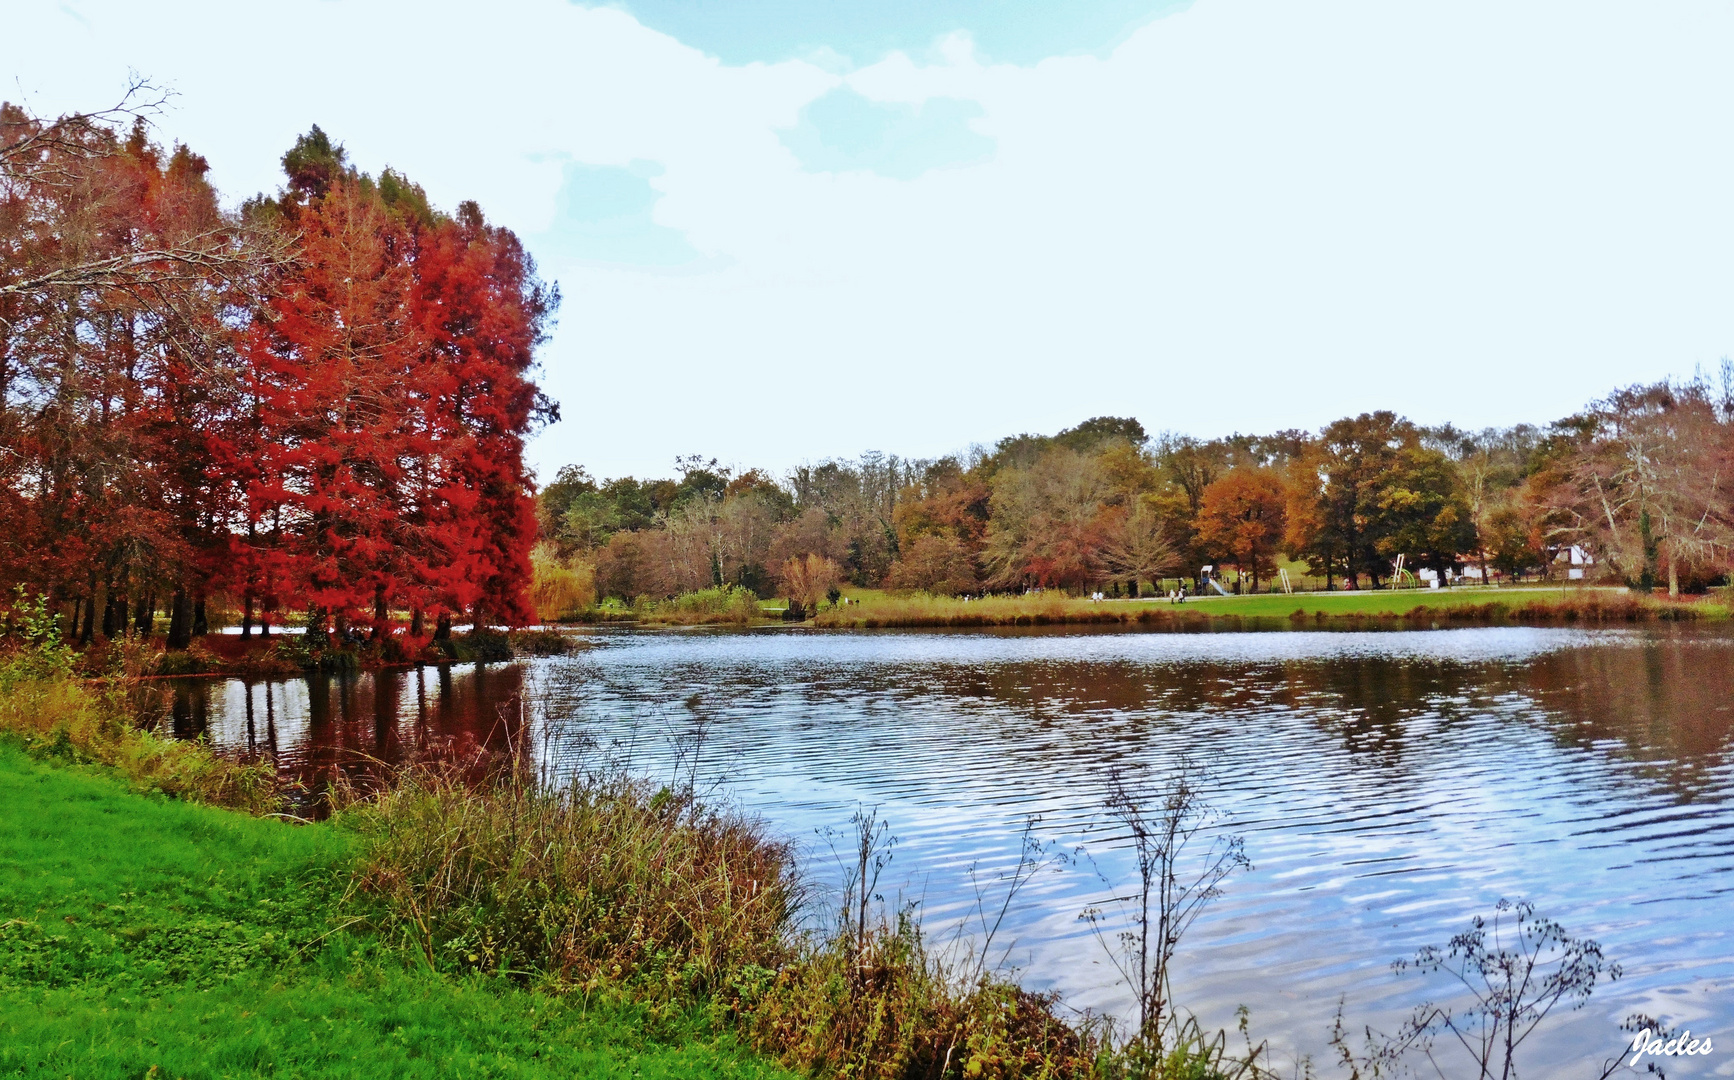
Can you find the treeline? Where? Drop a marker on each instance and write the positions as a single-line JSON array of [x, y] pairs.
[[1638, 482], [316, 403]]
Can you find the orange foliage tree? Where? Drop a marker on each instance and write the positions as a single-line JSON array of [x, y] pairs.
[[1242, 516]]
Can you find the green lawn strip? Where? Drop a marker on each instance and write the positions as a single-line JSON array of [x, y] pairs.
[[1369, 603], [98, 884], [137, 931], [1377, 602], [395, 1023]]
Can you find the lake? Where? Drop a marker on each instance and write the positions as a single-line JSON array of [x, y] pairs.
[[1387, 785]]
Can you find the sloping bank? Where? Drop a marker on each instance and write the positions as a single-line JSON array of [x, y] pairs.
[[603, 929]]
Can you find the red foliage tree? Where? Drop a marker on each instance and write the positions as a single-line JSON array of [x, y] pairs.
[[482, 312]]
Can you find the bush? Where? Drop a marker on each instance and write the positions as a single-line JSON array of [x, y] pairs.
[[878, 1005], [560, 589], [478, 646], [541, 642], [604, 883], [721, 604]]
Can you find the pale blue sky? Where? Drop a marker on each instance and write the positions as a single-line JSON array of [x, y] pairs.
[[859, 32], [790, 230]]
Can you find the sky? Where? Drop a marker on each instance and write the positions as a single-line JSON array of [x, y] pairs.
[[788, 230]]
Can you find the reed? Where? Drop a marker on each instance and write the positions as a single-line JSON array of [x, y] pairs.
[[872, 1000], [54, 713], [604, 884]]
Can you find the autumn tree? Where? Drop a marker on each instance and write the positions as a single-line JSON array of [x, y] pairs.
[[390, 374], [934, 563], [1335, 520], [1644, 483], [1136, 544], [1243, 516], [119, 277], [1045, 526], [1424, 512], [809, 578]]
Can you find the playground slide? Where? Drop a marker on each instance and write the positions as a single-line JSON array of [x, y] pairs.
[[1217, 585]]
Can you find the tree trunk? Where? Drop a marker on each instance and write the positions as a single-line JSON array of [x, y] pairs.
[[379, 612], [88, 631], [180, 620], [247, 616], [1673, 578], [200, 626], [417, 623], [443, 628], [108, 613], [145, 621]]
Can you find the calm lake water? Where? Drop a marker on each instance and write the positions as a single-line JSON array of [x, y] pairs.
[[1388, 786]]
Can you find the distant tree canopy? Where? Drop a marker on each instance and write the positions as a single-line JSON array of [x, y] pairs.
[[1638, 482], [318, 403]]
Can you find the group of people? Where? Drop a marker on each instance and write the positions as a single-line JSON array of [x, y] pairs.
[[1174, 595]]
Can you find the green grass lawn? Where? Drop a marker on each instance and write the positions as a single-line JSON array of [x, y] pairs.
[[1378, 602], [1532, 602], [141, 937]]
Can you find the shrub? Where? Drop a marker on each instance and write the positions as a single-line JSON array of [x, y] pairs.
[[541, 642], [606, 882], [560, 589], [720, 604], [878, 1005], [478, 646]]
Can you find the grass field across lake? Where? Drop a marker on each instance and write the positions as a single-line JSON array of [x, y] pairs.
[[875, 608]]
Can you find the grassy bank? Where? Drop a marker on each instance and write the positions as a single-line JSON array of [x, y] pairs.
[[1464, 606], [507, 928], [149, 937], [145, 934]]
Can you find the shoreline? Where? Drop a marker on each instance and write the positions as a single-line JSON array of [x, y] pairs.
[[1365, 610]]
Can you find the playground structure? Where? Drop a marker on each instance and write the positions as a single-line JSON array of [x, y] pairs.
[[1208, 574]]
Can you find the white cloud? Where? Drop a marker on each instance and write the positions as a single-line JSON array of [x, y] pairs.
[[1251, 215]]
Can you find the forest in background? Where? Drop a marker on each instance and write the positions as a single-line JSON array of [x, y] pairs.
[[313, 405], [313, 408], [1635, 481]]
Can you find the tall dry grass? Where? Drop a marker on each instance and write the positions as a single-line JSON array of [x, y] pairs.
[[605, 883], [55, 713], [610, 886], [880, 1005]]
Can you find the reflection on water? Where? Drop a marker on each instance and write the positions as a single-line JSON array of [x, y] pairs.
[[356, 726], [1388, 785]]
